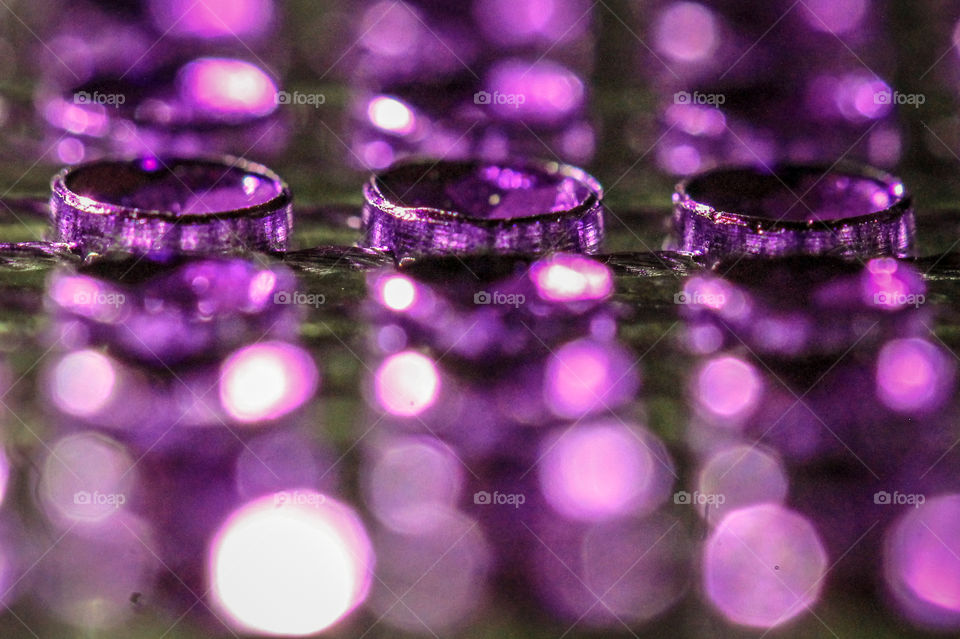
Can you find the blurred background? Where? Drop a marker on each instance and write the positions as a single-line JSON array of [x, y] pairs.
[[627, 444]]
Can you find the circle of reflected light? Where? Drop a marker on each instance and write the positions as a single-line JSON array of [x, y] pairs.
[[412, 484], [923, 561], [912, 374], [398, 292], [266, 381], [83, 382], [230, 87], [87, 478], [391, 115], [600, 471], [763, 565], [390, 33], [686, 32], [568, 278], [290, 566], [728, 387], [407, 384], [584, 376], [551, 91], [70, 150], [744, 475]]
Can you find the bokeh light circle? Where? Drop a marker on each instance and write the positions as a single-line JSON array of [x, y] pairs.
[[283, 565]]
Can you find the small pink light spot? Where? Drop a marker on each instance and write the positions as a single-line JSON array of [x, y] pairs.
[[87, 297], [680, 159], [708, 292], [697, 120], [80, 119], [605, 470], [290, 564], [70, 151], [83, 383], [913, 375], [686, 32], [398, 292], [391, 29], [377, 154], [266, 381], [569, 278], [866, 94], [261, 286], [407, 384], [542, 91], [228, 87], [728, 387], [391, 115], [883, 265], [585, 376]]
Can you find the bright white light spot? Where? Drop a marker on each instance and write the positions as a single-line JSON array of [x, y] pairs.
[[83, 383], [266, 381], [398, 292], [282, 566], [390, 114], [407, 384]]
